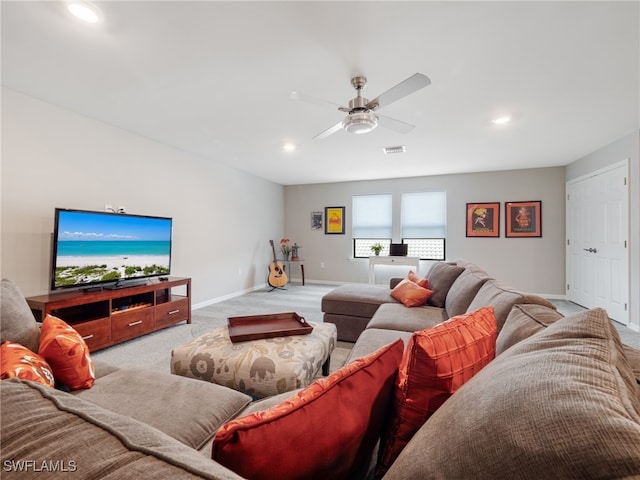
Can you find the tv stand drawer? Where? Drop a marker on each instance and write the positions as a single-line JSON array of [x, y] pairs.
[[171, 313], [96, 333], [127, 325]]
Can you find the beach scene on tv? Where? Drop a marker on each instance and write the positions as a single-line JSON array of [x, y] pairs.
[[95, 247]]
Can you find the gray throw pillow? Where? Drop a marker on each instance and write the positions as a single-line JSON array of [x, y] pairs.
[[560, 404], [441, 276], [524, 321], [17, 323]]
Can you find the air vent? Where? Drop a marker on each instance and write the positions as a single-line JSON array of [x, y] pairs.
[[398, 149]]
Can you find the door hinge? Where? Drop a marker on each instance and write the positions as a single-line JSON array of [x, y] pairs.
[[568, 242], [625, 307], [568, 287], [625, 180], [625, 244]]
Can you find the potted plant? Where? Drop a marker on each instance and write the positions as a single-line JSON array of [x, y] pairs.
[[376, 248], [285, 248]]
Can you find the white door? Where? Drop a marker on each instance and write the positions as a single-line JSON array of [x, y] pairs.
[[597, 241]]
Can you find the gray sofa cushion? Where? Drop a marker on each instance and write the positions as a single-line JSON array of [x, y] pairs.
[[17, 323], [524, 321], [502, 298], [560, 404], [441, 276], [199, 408], [398, 317], [89, 441], [464, 290], [356, 299], [374, 338], [349, 327], [633, 355], [528, 319]]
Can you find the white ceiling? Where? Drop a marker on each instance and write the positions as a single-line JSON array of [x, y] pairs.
[[214, 78]]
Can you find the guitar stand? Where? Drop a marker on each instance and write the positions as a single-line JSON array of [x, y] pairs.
[[277, 288]]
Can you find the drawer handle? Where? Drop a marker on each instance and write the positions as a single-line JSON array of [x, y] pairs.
[[87, 337], [133, 324], [174, 312]]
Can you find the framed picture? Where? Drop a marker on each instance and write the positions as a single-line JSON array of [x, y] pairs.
[[523, 219], [483, 219], [316, 220], [334, 220]]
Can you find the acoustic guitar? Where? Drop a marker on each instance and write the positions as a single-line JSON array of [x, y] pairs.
[[277, 276]]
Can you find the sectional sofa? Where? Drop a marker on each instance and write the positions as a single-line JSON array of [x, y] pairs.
[[559, 400]]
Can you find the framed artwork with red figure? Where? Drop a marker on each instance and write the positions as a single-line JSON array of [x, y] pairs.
[[483, 219], [523, 219]]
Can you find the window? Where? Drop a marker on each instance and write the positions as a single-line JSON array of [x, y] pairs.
[[422, 224], [372, 223]]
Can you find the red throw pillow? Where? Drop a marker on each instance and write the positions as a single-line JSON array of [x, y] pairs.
[[20, 362], [437, 362], [326, 430], [410, 294], [67, 353], [417, 279]]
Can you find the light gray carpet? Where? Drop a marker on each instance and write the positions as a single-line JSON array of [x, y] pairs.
[[153, 351]]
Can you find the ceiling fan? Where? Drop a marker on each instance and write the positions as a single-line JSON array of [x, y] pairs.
[[362, 116]]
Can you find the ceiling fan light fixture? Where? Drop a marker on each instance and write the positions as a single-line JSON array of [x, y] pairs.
[[360, 122]]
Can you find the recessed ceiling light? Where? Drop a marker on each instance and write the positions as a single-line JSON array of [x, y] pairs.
[[85, 11], [288, 147], [501, 120]]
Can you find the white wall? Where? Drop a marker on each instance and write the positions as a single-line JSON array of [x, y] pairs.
[[628, 147], [55, 158], [532, 264]]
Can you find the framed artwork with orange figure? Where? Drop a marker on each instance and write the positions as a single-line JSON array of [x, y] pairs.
[[523, 219]]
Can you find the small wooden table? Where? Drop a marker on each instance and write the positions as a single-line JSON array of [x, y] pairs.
[[299, 262]]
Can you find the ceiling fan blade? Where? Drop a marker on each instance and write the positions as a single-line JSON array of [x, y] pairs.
[[393, 124], [406, 87], [329, 131], [303, 97]]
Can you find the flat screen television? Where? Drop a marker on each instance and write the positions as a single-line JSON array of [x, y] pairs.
[[112, 250]]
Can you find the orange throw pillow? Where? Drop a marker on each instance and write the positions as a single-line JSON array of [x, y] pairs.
[[67, 353], [18, 361], [437, 362], [417, 279], [326, 430], [410, 294]]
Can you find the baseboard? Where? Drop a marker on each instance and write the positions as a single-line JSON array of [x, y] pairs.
[[211, 301]]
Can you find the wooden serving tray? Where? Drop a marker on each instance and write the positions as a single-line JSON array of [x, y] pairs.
[[255, 327]]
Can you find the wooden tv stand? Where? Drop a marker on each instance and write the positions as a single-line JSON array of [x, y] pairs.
[[108, 317]]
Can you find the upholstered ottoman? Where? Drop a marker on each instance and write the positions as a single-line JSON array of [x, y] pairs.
[[260, 368]]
